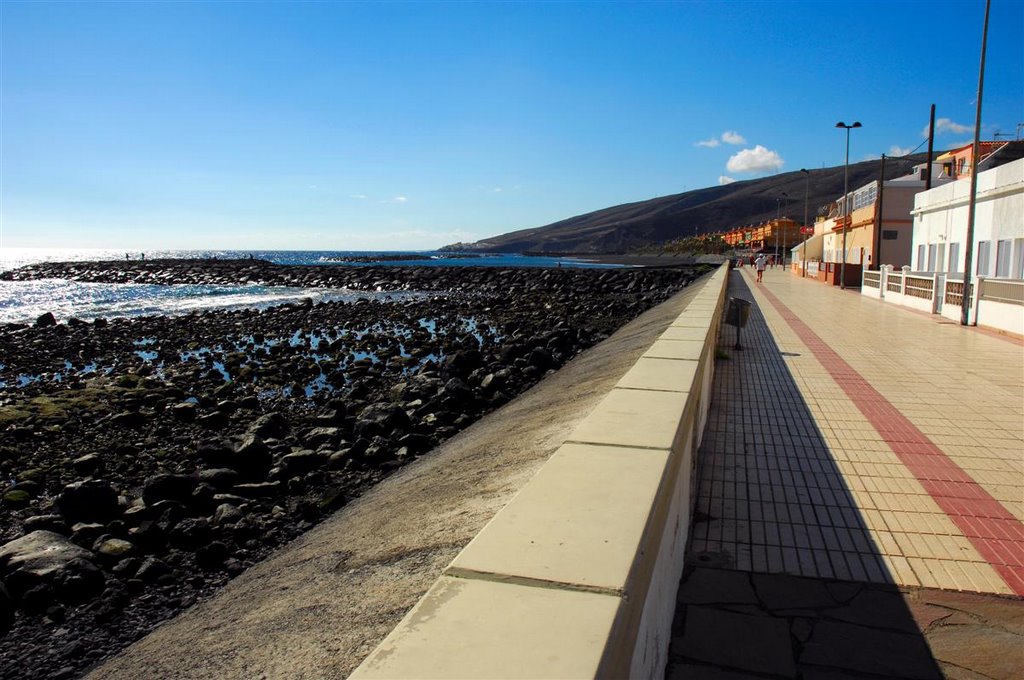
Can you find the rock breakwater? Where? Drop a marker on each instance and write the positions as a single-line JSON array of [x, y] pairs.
[[154, 458]]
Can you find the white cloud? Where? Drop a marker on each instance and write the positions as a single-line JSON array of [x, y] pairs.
[[725, 179], [733, 137], [945, 125], [897, 150], [399, 199], [729, 137], [756, 160], [491, 189], [361, 197]]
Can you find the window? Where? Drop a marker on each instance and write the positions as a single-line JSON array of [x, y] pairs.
[[940, 258], [890, 234], [1003, 257], [984, 251], [931, 258], [864, 197], [1018, 261], [920, 258], [954, 258]]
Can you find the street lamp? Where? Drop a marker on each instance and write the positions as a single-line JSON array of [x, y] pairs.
[[807, 189], [785, 197], [846, 198], [775, 228]]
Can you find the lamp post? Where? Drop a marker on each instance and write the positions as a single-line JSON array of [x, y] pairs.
[[775, 227], [846, 197], [785, 197], [807, 189]]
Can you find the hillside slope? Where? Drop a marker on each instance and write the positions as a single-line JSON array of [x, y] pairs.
[[630, 226]]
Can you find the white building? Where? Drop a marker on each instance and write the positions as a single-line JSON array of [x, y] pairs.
[[996, 294], [940, 225]]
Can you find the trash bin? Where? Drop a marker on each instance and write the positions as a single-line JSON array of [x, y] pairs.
[[736, 314]]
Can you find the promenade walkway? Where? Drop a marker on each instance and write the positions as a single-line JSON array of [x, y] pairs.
[[858, 456]]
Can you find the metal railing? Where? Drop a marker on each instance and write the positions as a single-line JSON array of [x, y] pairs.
[[919, 287], [872, 279], [1007, 292]]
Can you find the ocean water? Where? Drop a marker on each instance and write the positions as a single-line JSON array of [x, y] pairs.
[[24, 301], [11, 258]]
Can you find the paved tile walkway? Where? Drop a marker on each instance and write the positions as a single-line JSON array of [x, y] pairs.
[[858, 457], [856, 440]]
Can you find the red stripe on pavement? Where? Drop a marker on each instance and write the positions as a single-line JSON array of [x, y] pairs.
[[993, 531]]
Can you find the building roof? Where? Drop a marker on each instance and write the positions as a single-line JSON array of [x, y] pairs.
[[986, 149], [1007, 153]]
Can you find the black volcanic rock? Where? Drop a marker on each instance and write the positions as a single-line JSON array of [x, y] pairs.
[[332, 396], [51, 563], [170, 487], [91, 500], [45, 320]]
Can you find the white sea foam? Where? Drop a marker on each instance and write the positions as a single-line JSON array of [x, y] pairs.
[[24, 301]]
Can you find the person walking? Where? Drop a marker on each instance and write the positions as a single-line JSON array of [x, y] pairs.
[[759, 264]]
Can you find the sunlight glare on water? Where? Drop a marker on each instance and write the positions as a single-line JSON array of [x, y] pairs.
[[25, 301]]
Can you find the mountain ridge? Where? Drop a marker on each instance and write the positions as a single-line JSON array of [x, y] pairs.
[[640, 224]]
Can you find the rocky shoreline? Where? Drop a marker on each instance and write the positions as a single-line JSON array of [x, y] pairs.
[[149, 460]]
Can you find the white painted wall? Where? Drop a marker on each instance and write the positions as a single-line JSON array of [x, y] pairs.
[[1002, 316], [940, 218]]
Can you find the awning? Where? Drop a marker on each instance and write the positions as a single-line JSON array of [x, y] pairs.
[[811, 249]]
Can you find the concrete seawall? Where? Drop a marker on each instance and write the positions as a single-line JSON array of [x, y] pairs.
[[577, 575], [319, 606]]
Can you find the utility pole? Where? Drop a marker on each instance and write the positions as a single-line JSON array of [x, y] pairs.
[[931, 141], [807, 190], [879, 217], [775, 229], [965, 304]]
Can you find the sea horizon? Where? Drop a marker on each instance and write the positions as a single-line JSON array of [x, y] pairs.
[[13, 258]]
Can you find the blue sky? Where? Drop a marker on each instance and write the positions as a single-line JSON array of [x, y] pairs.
[[409, 126]]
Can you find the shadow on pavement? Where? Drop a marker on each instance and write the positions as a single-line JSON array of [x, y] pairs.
[[783, 579]]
